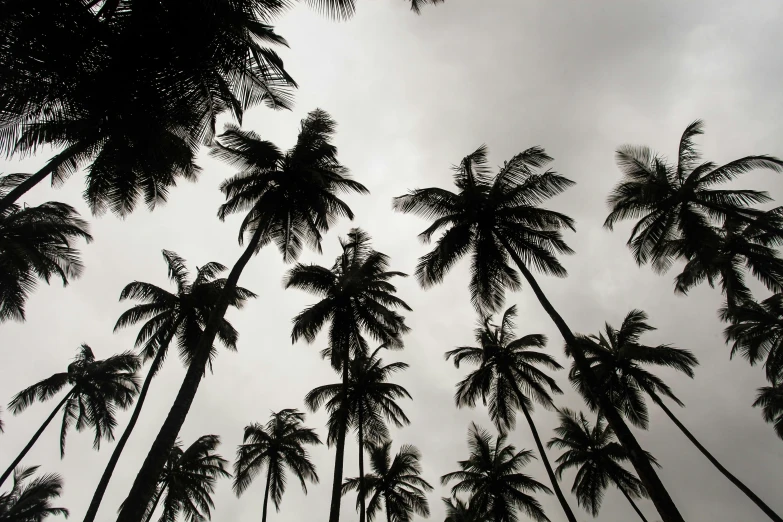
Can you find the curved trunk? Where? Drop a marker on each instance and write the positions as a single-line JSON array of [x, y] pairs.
[[633, 505], [266, 493], [362, 507], [144, 485], [337, 480], [655, 488], [32, 442], [97, 497], [555, 486], [734, 480]]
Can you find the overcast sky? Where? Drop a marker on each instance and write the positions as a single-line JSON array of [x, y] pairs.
[[412, 96]]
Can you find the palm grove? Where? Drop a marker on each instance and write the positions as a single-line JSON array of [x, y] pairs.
[[128, 92]]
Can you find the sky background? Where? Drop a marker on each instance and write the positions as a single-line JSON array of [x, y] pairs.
[[412, 95]]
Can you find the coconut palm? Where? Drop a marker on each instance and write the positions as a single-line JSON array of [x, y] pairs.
[[290, 199], [770, 399], [370, 402], [458, 510], [37, 243], [181, 314], [97, 389], [356, 296], [491, 476], [397, 483], [678, 204], [506, 367], [279, 445], [187, 482], [599, 461], [496, 217], [618, 359], [32, 501], [756, 329]]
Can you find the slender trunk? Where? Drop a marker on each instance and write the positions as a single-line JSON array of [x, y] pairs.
[[734, 480], [655, 488], [266, 492], [155, 503], [144, 485], [337, 480], [633, 505], [386, 505], [97, 497], [558, 493], [362, 508], [51, 165], [32, 442]]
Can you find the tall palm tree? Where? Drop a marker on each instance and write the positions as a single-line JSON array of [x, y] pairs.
[[491, 475], [770, 399], [356, 296], [370, 402], [678, 204], [280, 444], [397, 483], [598, 459], [506, 366], [496, 217], [166, 314], [31, 502], [290, 199], [618, 357], [188, 481], [756, 330], [457, 510], [37, 243], [97, 389]]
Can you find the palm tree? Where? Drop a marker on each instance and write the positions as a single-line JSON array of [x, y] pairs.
[[98, 388], [757, 332], [770, 399], [491, 475], [618, 357], [457, 510], [37, 243], [598, 459], [506, 366], [188, 481], [280, 444], [168, 314], [395, 482], [676, 204], [290, 199], [356, 295], [370, 402], [498, 217], [31, 502]]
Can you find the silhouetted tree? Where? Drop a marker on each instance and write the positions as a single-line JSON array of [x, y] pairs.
[[279, 445], [491, 476], [31, 502], [598, 459], [756, 330], [356, 296], [290, 200], [617, 359], [397, 483], [165, 314], [495, 217], [97, 389], [770, 399], [457, 510], [506, 366]]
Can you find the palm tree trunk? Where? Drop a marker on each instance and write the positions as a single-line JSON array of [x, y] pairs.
[[734, 480], [266, 491], [362, 508], [144, 485], [32, 442], [558, 493], [655, 488], [386, 505], [97, 497], [633, 505], [337, 480]]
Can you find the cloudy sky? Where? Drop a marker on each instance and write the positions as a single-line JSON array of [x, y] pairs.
[[412, 96]]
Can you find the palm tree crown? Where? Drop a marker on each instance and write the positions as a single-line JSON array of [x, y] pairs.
[[756, 330], [458, 510], [31, 501], [396, 483], [492, 478], [770, 399]]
